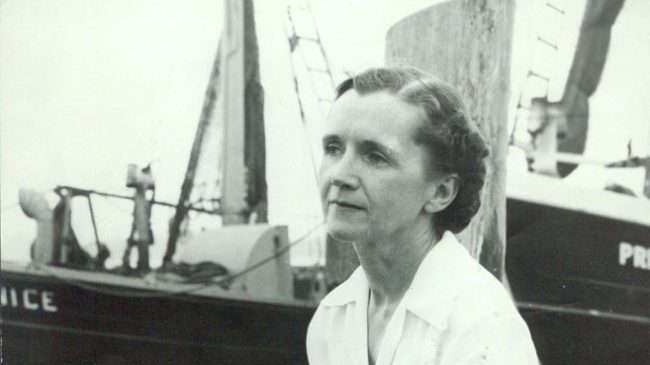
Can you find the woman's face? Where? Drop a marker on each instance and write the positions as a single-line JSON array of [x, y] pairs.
[[374, 179]]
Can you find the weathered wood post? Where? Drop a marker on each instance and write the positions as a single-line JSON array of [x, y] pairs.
[[468, 44]]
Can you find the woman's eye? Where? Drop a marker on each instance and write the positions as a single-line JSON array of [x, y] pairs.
[[331, 149], [377, 159]]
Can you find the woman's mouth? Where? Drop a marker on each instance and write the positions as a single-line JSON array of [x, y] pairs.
[[345, 204]]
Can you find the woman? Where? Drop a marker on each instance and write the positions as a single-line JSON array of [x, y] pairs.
[[402, 172]]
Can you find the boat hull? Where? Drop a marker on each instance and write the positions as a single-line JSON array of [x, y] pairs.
[[58, 319], [575, 278]]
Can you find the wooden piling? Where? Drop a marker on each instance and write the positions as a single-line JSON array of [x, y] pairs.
[[468, 44]]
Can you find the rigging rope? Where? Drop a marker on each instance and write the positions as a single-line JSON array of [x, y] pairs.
[[544, 42], [114, 206], [295, 48]]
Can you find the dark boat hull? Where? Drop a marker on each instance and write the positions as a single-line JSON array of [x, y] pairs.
[[54, 321], [585, 298], [582, 338]]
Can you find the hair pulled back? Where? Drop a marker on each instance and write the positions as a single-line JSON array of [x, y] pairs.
[[451, 138]]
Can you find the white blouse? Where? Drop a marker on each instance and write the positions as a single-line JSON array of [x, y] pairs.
[[454, 313]]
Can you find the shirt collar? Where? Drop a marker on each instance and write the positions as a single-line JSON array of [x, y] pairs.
[[446, 270], [442, 275], [348, 291]]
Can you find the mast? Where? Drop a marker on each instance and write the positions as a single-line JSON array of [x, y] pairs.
[[232, 86], [254, 136], [244, 191], [235, 99]]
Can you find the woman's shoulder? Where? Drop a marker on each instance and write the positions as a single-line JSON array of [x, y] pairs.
[[464, 272], [482, 299], [478, 292], [485, 311], [486, 290], [451, 283]]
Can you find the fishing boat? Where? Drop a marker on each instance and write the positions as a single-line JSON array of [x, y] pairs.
[[577, 264], [227, 298], [59, 315], [576, 258]]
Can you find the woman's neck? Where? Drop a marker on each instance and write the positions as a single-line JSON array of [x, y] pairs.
[[390, 265]]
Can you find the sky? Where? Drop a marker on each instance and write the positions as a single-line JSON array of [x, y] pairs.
[[88, 87]]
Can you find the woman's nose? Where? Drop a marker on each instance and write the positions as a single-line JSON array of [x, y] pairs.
[[344, 174], [344, 182]]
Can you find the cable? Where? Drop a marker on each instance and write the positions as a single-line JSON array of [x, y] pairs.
[[135, 293], [295, 48], [532, 73], [114, 206]]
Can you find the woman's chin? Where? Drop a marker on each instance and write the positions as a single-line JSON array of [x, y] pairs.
[[346, 233]]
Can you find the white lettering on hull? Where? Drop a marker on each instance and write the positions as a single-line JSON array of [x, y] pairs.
[[635, 255], [28, 298]]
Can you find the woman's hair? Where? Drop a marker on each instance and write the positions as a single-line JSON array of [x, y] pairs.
[[451, 138]]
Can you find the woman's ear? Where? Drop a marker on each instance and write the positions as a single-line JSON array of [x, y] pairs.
[[444, 193]]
